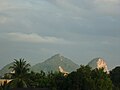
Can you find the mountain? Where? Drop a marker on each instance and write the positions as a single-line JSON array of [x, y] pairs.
[[98, 63], [54, 63], [5, 69]]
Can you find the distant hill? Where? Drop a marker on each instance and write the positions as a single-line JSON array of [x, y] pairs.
[[5, 69], [57, 62], [98, 63], [53, 64]]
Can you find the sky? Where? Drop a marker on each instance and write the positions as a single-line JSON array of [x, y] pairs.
[[77, 29]]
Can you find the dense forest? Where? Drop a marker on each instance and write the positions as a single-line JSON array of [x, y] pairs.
[[84, 78]]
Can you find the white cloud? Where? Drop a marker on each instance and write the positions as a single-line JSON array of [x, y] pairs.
[[34, 38]]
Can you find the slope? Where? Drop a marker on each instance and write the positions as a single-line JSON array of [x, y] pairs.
[[53, 63]]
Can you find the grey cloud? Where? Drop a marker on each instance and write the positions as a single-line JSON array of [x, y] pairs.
[[33, 38], [92, 25]]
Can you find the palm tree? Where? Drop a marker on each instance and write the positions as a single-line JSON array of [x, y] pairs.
[[20, 73]]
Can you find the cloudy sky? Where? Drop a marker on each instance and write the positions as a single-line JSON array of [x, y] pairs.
[[78, 29]]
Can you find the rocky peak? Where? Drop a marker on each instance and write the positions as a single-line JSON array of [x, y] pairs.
[[57, 55], [56, 63], [98, 63]]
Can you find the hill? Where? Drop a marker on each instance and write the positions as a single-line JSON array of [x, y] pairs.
[[53, 64], [5, 69], [98, 63]]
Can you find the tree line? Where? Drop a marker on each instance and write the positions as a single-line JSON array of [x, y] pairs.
[[84, 78]]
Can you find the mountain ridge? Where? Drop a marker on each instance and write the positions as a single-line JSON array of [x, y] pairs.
[[58, 63], [6, 69], [53, 63]]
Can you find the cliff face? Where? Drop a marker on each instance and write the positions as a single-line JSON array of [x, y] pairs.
[[98, 63]]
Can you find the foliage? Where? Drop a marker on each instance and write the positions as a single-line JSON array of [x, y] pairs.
[[52, 80], [20, 67], [38, 80], [56, 80], [20, 73], [84, 78], [101, 80], [115, 77]]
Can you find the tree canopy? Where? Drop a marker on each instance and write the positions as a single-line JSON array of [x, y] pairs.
[[84, 78]]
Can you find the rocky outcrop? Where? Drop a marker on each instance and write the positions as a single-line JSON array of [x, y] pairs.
[[63, 71], [98, 63]]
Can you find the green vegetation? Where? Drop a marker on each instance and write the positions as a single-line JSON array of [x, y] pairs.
[[20, 73], [84, 78], [53, 63], [48, 65], [115, 77], [5, 69]]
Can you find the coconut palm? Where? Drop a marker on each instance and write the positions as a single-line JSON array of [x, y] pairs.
[[20, 71]]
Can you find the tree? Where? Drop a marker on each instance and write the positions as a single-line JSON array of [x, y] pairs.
[[38, 80], [87, 79], [59, 80], [115, 77], [101, 80], [79, 80], [20, 76]]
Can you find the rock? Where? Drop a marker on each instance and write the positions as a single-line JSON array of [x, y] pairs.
[[98, 63]]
